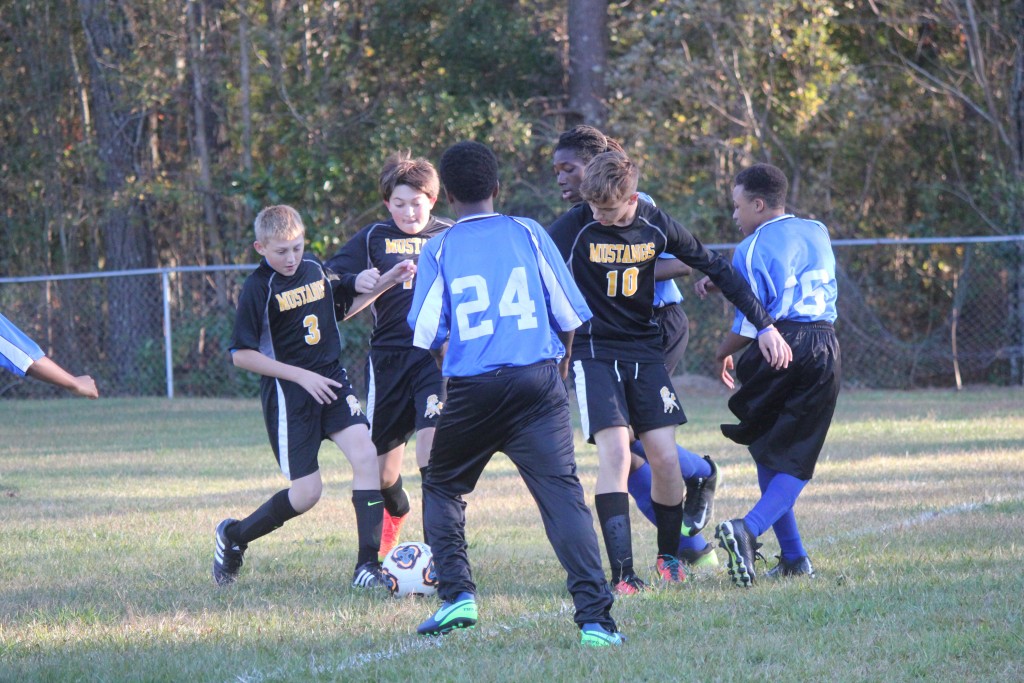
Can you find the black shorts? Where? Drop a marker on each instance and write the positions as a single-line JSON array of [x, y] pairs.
[[621, 394], [404, 394], [675, 334], [297, 424], [785, 414]]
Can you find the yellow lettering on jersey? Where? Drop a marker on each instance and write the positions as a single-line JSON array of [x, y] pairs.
[[622, 253], [405, 245], [300, 296]]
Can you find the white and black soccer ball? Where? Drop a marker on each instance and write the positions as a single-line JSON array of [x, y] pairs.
[[409, 570]]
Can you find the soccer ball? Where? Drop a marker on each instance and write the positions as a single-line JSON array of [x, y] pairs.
[[409, 570]]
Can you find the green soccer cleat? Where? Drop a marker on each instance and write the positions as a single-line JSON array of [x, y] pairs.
[[699, 559], [458, 613], [596, 635]]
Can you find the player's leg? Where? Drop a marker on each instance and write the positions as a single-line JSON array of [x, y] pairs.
[[541, 446], [692, 550], [793, 560], [428, 400], [666, 498], [465, 439], [700, 474], [354, 441], [601, 398], [295, 443]]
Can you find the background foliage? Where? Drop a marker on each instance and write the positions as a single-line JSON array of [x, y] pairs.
[[147, 134]]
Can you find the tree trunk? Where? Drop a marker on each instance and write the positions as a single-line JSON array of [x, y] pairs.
[[588, 60], [118, 125]]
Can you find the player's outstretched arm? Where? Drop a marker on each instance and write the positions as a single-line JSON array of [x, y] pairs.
[[563, 364], [48, 371], [670, 269], [318, 386]]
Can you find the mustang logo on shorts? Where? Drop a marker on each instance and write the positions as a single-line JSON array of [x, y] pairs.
[[433, 406], [669, 399], [353, 405]]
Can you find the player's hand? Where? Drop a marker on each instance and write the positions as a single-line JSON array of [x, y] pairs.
[[85, 385], [774, 348], [563, 367], [367, 280], [724, 372], [704, 286], [403, 271], [318, 386]]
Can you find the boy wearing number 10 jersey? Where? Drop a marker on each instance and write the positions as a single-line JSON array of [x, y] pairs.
[[496, 306]]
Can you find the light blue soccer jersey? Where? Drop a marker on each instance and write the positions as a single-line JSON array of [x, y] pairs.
[[789, 264], [497, 289], [17, 351]]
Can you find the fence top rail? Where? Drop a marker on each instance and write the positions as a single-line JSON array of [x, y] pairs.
[[732, 245]]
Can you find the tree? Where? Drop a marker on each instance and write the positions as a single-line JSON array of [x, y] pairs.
[[588, 60]]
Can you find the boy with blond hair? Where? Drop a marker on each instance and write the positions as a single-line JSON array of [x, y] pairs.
[[285, 330]]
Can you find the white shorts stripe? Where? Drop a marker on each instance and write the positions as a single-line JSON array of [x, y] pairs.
[[282, 432], [581, 397]]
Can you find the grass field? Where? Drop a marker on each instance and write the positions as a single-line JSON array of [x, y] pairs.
[[914, 521]]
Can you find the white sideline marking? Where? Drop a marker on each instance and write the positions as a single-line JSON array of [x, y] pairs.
[[922, 518], [413, 644]]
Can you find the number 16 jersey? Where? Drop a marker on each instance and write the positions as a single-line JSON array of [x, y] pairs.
[[497, 289]]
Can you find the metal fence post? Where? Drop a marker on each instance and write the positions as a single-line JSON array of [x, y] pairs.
[[168, 356]]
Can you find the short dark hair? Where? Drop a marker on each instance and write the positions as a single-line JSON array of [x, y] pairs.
[[587, 142], [469, 171], [401, 169], [766, 182]]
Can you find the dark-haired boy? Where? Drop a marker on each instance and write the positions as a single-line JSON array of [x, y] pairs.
[[500, 325], [784, 414], [403, 383], [618, 361]]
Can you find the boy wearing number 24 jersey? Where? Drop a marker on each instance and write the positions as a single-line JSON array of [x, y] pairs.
[[496, 306]]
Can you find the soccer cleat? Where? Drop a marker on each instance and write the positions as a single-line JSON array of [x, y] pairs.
[[700, 500], [798, 567], [457, 613], [630, 584], [390, 533], [596, 635], [227, 556], [670, 569], [741, 547], [369, 575], [699, 559]]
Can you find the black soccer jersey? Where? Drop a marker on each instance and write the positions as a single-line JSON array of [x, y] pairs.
[[289, 319], [614, 268], [382, 245]]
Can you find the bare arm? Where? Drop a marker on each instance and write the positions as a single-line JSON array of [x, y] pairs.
[[48, 371], [318, 386], [401, 272], [670, 269], [566, 339], [732, 343]]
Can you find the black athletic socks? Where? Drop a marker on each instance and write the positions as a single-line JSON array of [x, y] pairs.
[[613, 514], [269, 516], [396, 501], [369, 507], [669, 520]]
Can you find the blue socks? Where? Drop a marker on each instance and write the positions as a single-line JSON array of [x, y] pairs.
[[639, 486], [779, 492]]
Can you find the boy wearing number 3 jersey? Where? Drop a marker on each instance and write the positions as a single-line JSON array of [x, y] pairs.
[[496, 306], [618, 359]]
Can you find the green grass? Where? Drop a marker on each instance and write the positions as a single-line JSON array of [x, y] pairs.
[[914, 521]]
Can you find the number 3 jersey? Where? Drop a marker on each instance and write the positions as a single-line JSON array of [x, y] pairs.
[[289, 319], [789, 264], [614, 268], [496, 288]]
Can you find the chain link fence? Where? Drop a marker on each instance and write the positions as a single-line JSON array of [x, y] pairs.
[[912, 313]]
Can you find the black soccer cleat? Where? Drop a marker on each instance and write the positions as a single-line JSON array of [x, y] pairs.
[[798, 567], [700, 501], [369, 575], [227, 556], [742, 549]]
